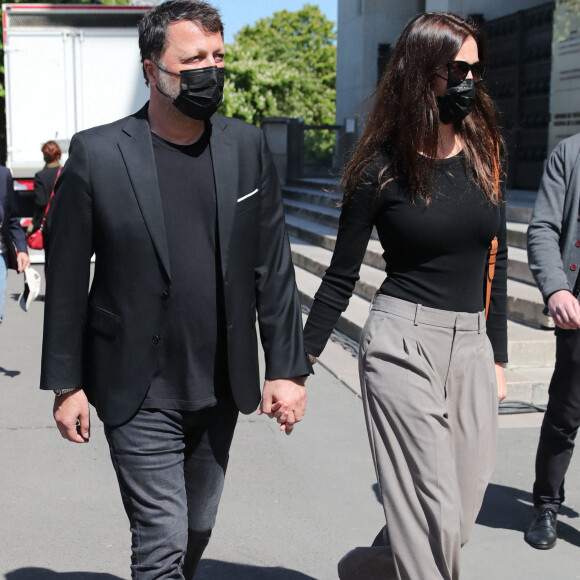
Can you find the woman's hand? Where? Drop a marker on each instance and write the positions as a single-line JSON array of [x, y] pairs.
[[501, 382]]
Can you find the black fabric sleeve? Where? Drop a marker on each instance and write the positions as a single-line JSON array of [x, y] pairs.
[[277, 301], [497, 316], [16, 232], [354, 230]]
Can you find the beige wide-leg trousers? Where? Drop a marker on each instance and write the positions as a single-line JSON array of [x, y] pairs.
[[430, 401]]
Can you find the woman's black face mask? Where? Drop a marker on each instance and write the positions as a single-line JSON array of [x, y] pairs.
[[457, 101]]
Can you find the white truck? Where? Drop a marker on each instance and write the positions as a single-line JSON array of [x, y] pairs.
[[68, 67]]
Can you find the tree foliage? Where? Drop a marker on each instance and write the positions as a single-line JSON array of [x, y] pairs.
[[284, 65]]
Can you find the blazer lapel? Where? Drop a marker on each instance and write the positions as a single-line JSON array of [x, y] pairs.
[[224, 154], [137, 151]]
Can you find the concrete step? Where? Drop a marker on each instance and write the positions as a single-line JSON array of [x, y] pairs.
[[327, 183], [516, 235], [525, 304], [327, 216], [353, 318], [313, 195], [319, 215], [529, 384], [316, 260], [531, 351], [518, 268], [325, 237], [519, 205]]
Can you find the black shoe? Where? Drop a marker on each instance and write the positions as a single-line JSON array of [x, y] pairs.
[[542, 531]]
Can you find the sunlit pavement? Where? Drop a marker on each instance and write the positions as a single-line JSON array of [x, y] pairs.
[[292, 505]]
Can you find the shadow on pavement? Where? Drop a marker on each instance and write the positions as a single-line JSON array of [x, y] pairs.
[[216, 570], [8, 373], [46, 574], [16, 295], [512, 509]]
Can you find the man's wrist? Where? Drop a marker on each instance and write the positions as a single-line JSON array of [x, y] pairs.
[[60, 392]]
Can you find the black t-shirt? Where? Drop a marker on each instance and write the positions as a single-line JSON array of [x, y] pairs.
[[435, 253], [193, 364]]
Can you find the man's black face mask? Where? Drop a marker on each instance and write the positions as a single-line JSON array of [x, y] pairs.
[[457, 102], [202, 91]]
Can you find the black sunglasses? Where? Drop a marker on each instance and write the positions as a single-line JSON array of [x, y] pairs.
[[457, 71]]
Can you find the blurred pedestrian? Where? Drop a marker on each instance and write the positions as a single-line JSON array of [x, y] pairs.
[[554, 258], [13, 246], [426, 174], [44, 181]]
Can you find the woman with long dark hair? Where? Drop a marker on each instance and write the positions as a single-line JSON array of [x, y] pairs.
[[426, 174]]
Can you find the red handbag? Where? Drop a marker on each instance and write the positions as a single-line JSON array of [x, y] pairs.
[[34, 240]]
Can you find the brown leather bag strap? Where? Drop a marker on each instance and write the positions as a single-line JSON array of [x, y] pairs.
[[489, 273]]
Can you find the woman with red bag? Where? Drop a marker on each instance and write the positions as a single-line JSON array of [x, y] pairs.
[[44, 181]]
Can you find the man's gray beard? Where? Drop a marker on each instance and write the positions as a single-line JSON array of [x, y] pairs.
[[169, 89], [169, 92]]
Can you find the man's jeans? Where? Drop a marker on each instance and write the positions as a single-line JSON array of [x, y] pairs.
[[3, 276], [171, 467]]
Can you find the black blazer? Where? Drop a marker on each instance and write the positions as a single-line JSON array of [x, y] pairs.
[[9, 220], [107, 201]]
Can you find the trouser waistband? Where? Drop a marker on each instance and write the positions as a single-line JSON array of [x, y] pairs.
[[420, 314]]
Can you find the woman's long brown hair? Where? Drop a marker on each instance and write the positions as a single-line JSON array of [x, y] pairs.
[[405, 119]]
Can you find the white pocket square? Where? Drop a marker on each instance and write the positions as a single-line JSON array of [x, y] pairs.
[[249, 195]]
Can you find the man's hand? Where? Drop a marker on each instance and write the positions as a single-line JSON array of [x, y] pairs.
[[501, 382], [22, 261], [564, 309], [71, 413], [284, 399]]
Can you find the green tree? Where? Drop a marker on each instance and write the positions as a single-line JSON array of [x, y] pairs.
[[284, 65]]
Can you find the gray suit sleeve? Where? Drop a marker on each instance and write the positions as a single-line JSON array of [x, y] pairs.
[[545, 229]]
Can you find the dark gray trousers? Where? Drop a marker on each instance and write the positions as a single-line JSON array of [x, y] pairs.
[[430, 400], [560, 424], [171, 467]]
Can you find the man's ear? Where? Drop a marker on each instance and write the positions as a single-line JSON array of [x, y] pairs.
[[151, 71]]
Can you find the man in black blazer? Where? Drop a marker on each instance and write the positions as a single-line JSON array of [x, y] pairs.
[[13, 248], [183, 211]]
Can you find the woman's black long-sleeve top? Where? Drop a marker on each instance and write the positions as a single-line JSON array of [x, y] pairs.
[[435, 253]]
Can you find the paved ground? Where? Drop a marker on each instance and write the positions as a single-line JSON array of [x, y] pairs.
[[292, 505]]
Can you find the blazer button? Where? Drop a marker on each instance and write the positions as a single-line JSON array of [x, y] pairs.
[[578, 243], [165, 295], [574, 267], [156, 339]]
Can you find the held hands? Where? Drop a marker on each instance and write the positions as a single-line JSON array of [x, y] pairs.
[[285, 400], [71, 413], [564, 309]]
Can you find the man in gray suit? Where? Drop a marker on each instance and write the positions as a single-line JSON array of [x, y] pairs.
[[554, 257], [183, 211]]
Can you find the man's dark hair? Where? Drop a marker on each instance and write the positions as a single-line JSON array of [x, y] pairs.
[[153, 26]]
